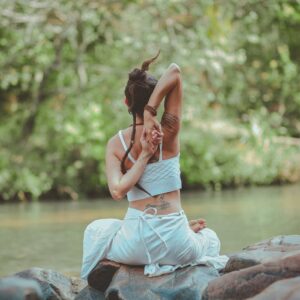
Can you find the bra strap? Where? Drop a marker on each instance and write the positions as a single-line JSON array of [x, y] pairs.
[[122, 140], [160, 151], [124, 146]]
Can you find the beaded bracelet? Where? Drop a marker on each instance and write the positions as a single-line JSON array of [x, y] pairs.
[[151, 109]]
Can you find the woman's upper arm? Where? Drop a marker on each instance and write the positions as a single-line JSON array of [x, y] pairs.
[[113, 170], [173, 106]]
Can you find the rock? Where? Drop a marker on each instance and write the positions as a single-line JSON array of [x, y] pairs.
[[274, 248], [287, 289], [77, 284], [187, 283], [88, 293], [53, 284], [14, 288], [251, 281], [101, 276]]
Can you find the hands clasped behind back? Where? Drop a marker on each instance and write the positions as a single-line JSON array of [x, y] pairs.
[[150, 141]]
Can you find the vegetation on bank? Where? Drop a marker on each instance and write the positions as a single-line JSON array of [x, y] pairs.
[[64, 65]]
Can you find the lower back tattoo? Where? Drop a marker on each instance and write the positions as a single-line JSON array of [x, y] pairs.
[[162, 205]]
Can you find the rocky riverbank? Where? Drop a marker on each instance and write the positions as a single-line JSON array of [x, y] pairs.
[[267, 270]]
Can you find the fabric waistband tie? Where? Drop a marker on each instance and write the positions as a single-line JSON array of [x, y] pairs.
[[143, 220], [141, 216]]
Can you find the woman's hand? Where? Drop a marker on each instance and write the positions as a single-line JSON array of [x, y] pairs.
[[150, 145], [156, 137]]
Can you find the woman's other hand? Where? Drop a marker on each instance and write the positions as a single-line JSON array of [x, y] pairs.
[[156, 137], [150, 145]]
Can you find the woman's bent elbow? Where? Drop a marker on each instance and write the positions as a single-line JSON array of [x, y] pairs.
[[116, 195], [174, 67]]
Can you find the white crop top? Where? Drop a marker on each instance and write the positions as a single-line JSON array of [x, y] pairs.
[[159, 177]]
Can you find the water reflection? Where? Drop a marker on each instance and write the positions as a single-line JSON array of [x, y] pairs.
[[49, 235]]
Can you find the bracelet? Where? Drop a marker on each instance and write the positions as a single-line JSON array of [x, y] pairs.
[[151, 109]]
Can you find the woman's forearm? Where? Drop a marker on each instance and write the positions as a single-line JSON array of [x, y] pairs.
[[164, 85], [131, 177]]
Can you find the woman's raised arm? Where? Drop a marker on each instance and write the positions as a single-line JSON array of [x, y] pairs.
[[169, 86]]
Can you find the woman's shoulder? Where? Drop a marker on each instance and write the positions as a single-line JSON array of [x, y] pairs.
[[118, 143], [115, 140], [114, 145]]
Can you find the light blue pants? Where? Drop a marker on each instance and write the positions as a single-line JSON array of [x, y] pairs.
[[146, 238], [162, 243]]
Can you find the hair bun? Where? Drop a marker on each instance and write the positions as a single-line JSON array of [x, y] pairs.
[[137, 75], [140, 74]]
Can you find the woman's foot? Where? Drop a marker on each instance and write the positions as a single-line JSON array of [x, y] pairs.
[[197, 225]]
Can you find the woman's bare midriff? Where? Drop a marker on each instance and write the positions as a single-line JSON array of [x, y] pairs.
[[166, 203]]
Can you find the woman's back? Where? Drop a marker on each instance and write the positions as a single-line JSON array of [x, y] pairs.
[[161, 177], [168, 151]]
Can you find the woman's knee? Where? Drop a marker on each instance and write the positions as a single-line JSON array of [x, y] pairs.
[[214, 242]]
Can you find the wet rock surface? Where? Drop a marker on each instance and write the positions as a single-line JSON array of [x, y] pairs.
[[287, 289], [187, 283], [14, 288], [54, 286], [275, 248], [88, 293], [250, 281]]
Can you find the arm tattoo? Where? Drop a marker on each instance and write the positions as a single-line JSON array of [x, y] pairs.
[[162, 205], [170, 122]]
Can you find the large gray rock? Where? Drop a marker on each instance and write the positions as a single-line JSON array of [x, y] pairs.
[[88, 293], [287, 289], [14, 288], [101, 276], [275, 248], [54, 285], [251, 281], [187, 283]]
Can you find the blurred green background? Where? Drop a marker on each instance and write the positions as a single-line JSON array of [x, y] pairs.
[[64, 66]]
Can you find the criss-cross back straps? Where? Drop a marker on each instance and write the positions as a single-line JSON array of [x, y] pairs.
[[125, 147], [129, 155]]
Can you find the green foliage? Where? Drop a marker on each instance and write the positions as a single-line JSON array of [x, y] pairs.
[[63, 67], [248, 156]]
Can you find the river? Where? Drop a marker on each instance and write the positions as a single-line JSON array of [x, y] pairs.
[[49, 234]]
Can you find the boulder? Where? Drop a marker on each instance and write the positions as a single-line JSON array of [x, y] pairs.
[[88, 293], [287, 289], [54, 285], [101, 276], [249, 282], [14, 288], [275, 248], [187, 283]]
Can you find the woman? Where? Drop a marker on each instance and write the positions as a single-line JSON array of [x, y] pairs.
[[142, 162]]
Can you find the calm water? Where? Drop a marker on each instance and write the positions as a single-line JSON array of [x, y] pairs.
[[49, 235]]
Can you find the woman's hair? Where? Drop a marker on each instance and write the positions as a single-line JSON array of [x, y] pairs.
[[138, 90]]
